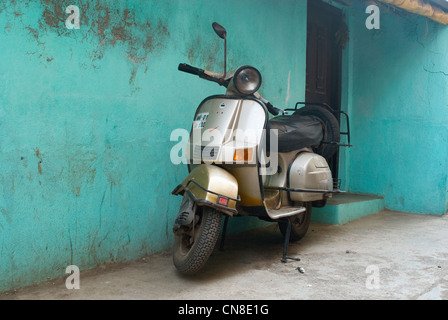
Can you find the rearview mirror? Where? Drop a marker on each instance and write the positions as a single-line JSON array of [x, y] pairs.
[[219, 29]]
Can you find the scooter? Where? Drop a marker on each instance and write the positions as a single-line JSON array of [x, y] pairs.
[[241, 163]]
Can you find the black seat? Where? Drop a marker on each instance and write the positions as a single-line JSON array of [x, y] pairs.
[[296, 132]]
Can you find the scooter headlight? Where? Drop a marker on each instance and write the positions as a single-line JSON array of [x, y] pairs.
[[247, 80]]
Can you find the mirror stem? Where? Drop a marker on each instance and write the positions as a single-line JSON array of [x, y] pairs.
[[225, 57]]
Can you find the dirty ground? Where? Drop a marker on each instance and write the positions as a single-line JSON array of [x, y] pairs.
[[388, 255]]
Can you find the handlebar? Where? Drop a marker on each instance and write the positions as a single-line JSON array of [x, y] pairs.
[[202, 74], [223, 82], [273, 110], [190, 69]]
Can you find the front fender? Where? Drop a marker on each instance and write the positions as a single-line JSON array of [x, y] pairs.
[[212, 186]]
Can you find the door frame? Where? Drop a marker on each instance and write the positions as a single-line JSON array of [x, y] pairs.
[[335, 65]]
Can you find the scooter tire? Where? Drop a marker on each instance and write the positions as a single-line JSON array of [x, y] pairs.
[[299, 224], [330, 123], [190, 259]]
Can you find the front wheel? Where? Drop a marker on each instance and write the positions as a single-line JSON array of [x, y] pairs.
[[299, 224], [195, 244]]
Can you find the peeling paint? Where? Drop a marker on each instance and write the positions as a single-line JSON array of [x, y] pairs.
[[39, 157], [104, 25], [206, 58]]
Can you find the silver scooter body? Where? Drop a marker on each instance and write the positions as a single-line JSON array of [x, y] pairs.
[[240, 165], [230, 132]]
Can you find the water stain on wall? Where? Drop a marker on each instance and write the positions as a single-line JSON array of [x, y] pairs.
[[5, 214], [210, 59], [104, 25], [81, 170]]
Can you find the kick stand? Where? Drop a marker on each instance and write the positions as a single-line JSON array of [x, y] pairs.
[[224, 231], [285, 245]]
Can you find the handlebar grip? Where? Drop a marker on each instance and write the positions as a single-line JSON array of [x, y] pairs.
[[273, 110], [189, 69]]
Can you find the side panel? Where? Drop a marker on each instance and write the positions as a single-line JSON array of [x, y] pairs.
[[309, 171]]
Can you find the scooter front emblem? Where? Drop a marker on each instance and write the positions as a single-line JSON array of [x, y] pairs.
[[222, 105]]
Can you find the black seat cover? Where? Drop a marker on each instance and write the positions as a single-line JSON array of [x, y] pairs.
[[296, 132]]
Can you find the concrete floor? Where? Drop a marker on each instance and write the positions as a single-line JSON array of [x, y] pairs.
[[387, 255]]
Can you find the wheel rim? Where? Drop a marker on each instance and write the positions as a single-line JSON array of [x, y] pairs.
[[298, 220], [299, 224]]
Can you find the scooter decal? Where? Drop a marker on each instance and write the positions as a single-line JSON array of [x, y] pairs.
[[200, 120]]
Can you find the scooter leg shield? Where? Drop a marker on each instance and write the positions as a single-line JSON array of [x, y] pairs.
[[209, 185]]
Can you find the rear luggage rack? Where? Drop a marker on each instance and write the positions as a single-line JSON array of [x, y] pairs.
[[304, 190], [337, 114], [336, 184], [336, 188]]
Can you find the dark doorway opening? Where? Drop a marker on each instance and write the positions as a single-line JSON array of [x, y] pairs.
[[324, 60]]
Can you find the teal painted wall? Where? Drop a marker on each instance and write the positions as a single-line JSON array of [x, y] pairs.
[[396, 92], [86, 117]]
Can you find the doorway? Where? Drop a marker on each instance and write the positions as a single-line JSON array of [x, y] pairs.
[[324, 60]]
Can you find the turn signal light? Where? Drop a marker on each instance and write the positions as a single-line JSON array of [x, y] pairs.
[[243, 155]]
